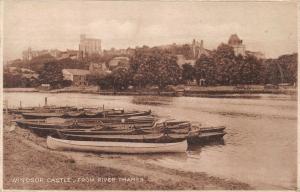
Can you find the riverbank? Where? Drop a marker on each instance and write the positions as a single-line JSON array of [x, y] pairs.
[[189, 91], [26, 157]]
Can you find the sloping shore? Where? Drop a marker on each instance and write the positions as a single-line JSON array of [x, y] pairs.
[[28, 164]]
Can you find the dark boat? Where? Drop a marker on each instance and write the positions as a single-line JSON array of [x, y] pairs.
[[199, 138], [130, 114], [82, 123], [150, 138], [212, 129], [44, 109], [41, 115], [54, 124], [91, 114], [204, 137]]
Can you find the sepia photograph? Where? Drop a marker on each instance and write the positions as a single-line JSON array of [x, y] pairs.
[[149, 95]]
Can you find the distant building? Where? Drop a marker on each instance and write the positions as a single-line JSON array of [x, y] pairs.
[[88, 47], [98, 69], [29, 54], [181, 60], [118, 61], [77, 76], [198, 49], [237, 44], [119, 52], [72, 54]]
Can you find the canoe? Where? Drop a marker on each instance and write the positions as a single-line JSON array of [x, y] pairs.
[[151, 138], [116, 147]]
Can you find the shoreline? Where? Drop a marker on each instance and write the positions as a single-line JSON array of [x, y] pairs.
[[209, 92], [26, 155]]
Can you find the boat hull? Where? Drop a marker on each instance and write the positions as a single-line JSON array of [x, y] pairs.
[[116, 147], [204, 138]]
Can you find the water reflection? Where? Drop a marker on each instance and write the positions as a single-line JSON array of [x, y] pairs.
[[196, 149]]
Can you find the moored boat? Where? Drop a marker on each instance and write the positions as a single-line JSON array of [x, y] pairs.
[[212, 129], [204, 137], [149, 138], [116, 147], [37, 115]]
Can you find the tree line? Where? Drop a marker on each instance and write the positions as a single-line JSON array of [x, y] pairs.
[[158, 67]]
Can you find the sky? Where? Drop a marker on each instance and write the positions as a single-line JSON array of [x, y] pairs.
[[269, 27]]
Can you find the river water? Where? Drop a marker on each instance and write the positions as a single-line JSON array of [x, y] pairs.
[[260, 147]]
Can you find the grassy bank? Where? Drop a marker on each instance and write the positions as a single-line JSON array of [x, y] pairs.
[[26, 156]]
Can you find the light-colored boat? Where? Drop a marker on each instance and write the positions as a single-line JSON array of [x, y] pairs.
[[116, 147]]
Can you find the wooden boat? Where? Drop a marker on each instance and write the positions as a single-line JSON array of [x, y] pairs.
[[105, 131], [74, 114], [150, 138], [44, 109], [81, 123], [212, 129], [41, 115], [110, 113], [130, 114], [57, 123], [204, 137], [116, 147], [93, 114]]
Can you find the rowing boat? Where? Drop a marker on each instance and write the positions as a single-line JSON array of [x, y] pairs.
[[88, 114], [116, 147], [212, 129], [150, 138], [204, 137], [41, 115], [83, 123]]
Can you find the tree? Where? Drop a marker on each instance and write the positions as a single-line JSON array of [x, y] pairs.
[[225, 63], [120, 78], [250, 68], [188, 72], [169, 73], [205, 68], [51, 74], [156, 68], [106, 82]]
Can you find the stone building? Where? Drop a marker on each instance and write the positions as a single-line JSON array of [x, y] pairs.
[[198, 49], [237, 44], [77, 76], [29, 54], [88, 47]]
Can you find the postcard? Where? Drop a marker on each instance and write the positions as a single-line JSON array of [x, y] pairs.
[[158, 95]]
